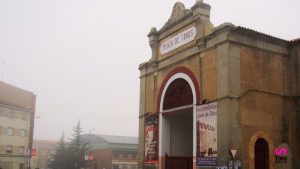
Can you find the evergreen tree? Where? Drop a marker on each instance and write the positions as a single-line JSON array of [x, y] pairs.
[[78, 148], [59, 158], [71, 155]]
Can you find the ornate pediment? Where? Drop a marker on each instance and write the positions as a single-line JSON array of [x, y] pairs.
[[178, 12]]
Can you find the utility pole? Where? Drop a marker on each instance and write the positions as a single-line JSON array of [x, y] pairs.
[[2, 70]]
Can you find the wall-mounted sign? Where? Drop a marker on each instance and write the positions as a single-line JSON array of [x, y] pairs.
[[151, 139], [178, 40], [89, 157], [33, 152], [207, 134]]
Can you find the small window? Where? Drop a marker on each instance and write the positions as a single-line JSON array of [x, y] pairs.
[[12, 115], [24, 116], [10, 131], [18, 115], [22, 132], [116, 155], [6, 114], [125, 156], [9, 149], [22, 150]]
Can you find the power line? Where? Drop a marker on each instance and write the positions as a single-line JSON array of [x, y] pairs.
[[91, 116]]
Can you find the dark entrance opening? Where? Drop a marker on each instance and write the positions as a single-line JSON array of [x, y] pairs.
[[261, 154], [178, 125], [180, 155]]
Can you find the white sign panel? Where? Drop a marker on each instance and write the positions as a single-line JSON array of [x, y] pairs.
[[178, 40], [207, 132]]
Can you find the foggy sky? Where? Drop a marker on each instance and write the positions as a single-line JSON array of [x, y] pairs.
[[81, 57]]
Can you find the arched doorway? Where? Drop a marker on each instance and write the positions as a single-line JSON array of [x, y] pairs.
[[176, 104], [261, 154], [178, 115], [270, 147]]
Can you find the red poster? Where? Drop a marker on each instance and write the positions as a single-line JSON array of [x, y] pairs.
[[33, 152], [151, 139]]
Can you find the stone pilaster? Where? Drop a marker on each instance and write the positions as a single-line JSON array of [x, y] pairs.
[[154, 44]]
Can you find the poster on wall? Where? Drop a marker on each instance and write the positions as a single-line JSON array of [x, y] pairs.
[[207, 134], [151, 139]]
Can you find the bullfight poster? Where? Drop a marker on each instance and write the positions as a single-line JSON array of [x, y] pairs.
[[151, 139], [206, 134]]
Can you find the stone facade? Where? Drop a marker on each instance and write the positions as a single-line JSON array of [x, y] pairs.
[[254, 78]]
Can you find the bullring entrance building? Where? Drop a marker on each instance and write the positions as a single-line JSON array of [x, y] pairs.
[[218, 96]]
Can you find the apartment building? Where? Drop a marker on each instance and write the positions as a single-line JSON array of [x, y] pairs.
[[17, 109], [44, 150], [112, 152]]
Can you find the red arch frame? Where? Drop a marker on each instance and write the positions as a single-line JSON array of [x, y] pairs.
[[173, 72]]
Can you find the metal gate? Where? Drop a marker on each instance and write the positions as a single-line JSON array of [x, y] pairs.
[[173, 162]]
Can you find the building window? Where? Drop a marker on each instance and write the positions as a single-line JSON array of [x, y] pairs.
[[116, 155], [9, 131], [132, 167], [12, 115], [21, 150], [9, 149], [22, 132], [125, 156], [24, 116], [6, 115]]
